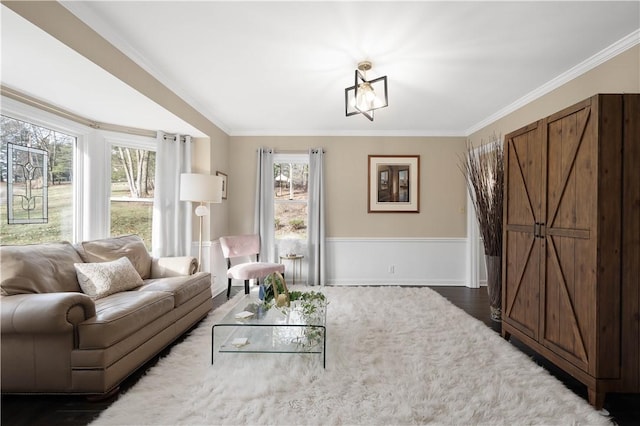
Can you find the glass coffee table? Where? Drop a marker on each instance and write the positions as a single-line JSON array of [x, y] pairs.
[[252, 328]]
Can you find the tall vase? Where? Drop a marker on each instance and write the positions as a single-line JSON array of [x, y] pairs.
[[494, 286]]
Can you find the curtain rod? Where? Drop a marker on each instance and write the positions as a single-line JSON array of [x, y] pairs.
[[45, 106], [291, 151], [173, 138]]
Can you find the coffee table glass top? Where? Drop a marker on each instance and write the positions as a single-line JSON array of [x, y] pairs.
[[252, 328]]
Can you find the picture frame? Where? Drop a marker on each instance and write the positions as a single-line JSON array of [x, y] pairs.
[[224, 184], [393, 184]]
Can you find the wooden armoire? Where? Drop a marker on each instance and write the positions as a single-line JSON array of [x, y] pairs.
[[571, 241]]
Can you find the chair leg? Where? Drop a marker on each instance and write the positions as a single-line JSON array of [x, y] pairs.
[[229, 289], [246, 286]]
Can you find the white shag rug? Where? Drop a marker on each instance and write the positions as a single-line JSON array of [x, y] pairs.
[[395, 356]]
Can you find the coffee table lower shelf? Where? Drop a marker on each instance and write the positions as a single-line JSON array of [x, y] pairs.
[[268, 338]]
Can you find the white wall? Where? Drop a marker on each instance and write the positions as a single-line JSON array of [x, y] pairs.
[[376, 261], [396, 261]]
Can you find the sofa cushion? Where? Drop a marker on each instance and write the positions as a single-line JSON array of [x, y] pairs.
[[108, 249], [121, 315], [183, 288], [98, 280], [38, 268]]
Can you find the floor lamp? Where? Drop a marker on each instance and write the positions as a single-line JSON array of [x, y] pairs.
[[203, 189]]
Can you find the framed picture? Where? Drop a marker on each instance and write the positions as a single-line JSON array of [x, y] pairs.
[[394, 184], [224, 184]]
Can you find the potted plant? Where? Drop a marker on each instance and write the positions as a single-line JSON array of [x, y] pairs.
[[310, 304], [483, 168]]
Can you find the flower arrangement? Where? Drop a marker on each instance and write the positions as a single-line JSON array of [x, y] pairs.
[[310, 304]]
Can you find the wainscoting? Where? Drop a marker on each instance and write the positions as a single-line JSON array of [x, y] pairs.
[[379, 261], [397, 261]]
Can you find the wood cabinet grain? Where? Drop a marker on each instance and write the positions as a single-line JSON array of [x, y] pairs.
[[572, 241]]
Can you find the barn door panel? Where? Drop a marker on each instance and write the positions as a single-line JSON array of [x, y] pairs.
[[523, 202], [570, 278]]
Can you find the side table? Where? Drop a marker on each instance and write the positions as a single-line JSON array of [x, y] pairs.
[[294, 258]]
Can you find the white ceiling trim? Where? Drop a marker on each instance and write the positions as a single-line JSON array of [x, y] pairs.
[[85, 14], [397, 133], [18, 96], [604, 55]]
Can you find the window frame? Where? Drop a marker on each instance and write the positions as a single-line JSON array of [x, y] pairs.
[[91, 165], [290, 158], [126, 141], [20, 111]]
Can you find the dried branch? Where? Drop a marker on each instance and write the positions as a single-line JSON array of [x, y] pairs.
[[483, 169]]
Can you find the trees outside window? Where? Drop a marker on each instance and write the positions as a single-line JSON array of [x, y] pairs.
[[132, 186], [128, 173], [291, 180], [60, 147]]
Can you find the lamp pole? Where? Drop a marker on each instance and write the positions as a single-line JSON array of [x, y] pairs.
[[201, 211]]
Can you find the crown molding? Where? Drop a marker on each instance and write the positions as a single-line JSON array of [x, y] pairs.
[[369, 133], [61, 112], [599, 58], [83, 12]]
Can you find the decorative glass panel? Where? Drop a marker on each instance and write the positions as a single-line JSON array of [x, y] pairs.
[[36, 183], [27, 195]]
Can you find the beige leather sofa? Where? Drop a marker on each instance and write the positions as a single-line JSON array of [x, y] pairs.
[[57, 339]]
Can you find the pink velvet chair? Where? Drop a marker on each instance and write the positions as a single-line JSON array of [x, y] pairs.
[[245, 246]]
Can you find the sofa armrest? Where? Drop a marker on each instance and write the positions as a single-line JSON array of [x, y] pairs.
[[44, 312], [164, 267]]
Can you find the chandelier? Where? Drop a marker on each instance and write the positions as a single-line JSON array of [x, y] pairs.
[[365, 96]]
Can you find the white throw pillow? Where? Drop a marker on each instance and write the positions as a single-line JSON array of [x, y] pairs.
[[102, 279]]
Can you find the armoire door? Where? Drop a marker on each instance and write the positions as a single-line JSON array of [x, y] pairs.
[[568, 317], [524, 153]]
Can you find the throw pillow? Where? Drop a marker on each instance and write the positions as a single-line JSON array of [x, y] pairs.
[[98, 280], [113, 248]]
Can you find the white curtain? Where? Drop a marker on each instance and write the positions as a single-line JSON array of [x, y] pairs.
[[264, 216], [316, 239], [171, 228]]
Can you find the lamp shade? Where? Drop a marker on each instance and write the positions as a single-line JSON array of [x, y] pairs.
[[201, 188]]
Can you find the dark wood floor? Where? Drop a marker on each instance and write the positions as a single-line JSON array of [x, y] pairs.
[[624, 409], [47, 410]]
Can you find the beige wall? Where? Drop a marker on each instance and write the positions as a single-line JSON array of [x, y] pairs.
[[210, 155], [442, 189], [620, 74]]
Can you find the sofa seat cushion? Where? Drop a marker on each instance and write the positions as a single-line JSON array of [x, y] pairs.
[[38, 268], [121, 315], [114, 248], [183, 288]]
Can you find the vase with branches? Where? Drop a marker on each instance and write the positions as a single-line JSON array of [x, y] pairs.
[[483, 168]]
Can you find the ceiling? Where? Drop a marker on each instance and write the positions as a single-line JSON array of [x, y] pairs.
[[280, 68]]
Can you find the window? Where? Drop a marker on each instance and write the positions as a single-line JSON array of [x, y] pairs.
[[36, 183], [87, 194], [291, 181], [132, 186]]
